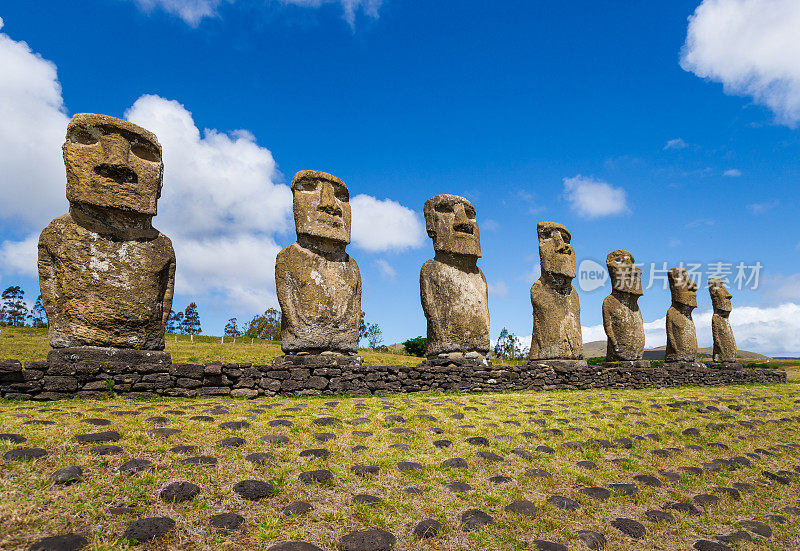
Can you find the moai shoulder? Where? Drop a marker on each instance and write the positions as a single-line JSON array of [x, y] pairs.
[[318, 283], [453, 289], [106, 275]]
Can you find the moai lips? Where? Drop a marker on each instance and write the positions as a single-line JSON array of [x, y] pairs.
[[452, 288], [622, 319], [318, 283], [556, 308], [106, 275]]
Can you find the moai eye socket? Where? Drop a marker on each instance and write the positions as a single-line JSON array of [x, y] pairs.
[[146, 152], [444, 207], [306, 185], [341, 193], [470, 212], [83, 136]]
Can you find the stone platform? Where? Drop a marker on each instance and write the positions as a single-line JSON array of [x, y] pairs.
[[78, 376]]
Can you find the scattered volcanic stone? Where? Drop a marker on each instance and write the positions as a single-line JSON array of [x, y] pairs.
[[324, 436], [478, 441], [591, 539], [658, 516], [735, 537], [563, 503], [275, 439], [408, 466], [629, 527], [163, 432], [759, 528], [455, 463], [177, 492], [317, 453], [64, 542], [458, 487], [404, 447], [691, 432], [321, 476], [297, 508], [226, 521], [183, 449], [327, 421], [472, 519], [790, 510], [135, 465], [147, 529], [538, 473], [705, 499], [596, 492], [706, 545], [96, 437], [442, 443], [697, 471], [294, 546], [524, 454], [683, 507], [106, 449], [233, 441], [234, 425], [733, 493], [203, 460], [157, 420], [588, 465], [427, 528], [13, 438], [121, 510], [254, 489], [743, 486], [669, 475], [280, 423], [489, 456], [206, 418], [259, 458], [364, 470], [776, 477], [648, 480], [67, 475], [500, 479], [545, 545], [573, 444], [545, 449], [357, 449], [522, 507], [367, 540], [96, 421], [368, 500], [24, 453]]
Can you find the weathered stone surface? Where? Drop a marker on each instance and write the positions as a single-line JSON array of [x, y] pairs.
[[106, 275], [318, 283], [368, 540], [622, 319], [556, 308], [724, 343], [427, 528], [65, 542], [149, 528], [452, 288], [681, 335]]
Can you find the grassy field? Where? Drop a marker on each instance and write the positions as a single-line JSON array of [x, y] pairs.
[[633, 437]]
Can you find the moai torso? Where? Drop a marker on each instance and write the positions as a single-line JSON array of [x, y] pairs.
[[556, 309], [681, 334], [724, 343], [452, 288], [317, 282], [622, 319], [456, 307], [102, 291], [106, 275], [320, 301]]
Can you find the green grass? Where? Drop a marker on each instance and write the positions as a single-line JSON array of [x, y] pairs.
[[31, 506]]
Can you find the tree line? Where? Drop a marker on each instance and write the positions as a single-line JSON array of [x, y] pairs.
[[14, 311]]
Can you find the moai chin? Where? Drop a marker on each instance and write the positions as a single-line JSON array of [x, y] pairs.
[[317, 282], [622, 319], [724, 343], [106, 275], [452, 288], [681, 335], [556, 309]]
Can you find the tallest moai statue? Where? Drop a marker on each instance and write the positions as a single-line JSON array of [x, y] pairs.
[[106, 274]]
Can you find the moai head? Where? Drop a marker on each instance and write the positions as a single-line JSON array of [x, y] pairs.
[[625, 276], [556, 255], [720, 297], [112, 163], [450, 221], [682, 287], [321, 205]]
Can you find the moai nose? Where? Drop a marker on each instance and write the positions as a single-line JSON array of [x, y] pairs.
[[117, 149], [461, 216], [327, 200]]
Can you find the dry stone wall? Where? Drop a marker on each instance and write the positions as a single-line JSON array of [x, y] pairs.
[[49, 381]]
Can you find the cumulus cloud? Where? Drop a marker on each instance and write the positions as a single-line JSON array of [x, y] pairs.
[[733, 173], [386, 270], [384, 225], [34, 122], [498, 289], [761, 208], [192, 12], [676, 143], [751, 47], [20, 257], [593, 198]]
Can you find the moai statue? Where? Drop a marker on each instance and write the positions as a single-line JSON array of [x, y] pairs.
[[318, 283], [106, 274], [724, 343], [556, 310], [452, 287], [622, 318], [681, 335]]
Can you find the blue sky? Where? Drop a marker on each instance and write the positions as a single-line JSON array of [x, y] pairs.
[[581, 112]]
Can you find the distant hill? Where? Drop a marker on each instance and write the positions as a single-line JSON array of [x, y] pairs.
[[598, 348]]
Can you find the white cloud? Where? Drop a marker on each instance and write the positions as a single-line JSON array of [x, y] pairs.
[[676, 143], [498, 289], [34, 122], [533, 274], [733, 173], [751, 47], [20, 256], [384, 225], [192, 12], [761, 208], [593, 198], [386, 270]]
